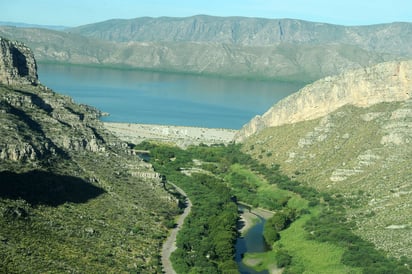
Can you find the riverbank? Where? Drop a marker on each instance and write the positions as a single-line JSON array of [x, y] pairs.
[[248, 218], [180, 135]]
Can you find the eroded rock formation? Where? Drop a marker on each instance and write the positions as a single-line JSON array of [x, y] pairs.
[[17, 63], [386, 82], [37, 123]]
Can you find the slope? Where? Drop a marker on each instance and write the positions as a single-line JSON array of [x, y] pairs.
[[72, 197], [359, 149]]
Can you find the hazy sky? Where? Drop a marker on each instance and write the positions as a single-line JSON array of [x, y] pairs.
[[80, 12]]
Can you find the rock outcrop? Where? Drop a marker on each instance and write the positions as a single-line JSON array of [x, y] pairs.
[[17, 63], [37, 123], [386, 82]]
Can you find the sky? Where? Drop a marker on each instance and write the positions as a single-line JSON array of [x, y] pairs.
[[80, 12]]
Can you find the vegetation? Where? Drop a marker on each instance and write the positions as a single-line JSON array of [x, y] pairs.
[[298, 227], [73, 210], [342, 155], [280, 221], [207, 240], [51, 221], [331, 226]]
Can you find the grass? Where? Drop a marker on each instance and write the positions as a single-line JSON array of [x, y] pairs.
[[308, 255], [317, 257], [350, 137]]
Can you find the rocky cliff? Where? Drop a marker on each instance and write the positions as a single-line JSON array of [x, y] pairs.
[[17, 63], [385, 82], [65, 183]]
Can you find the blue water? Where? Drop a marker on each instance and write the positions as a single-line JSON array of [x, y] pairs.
[[166, 98]]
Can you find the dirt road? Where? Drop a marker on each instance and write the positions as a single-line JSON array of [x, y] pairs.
[[170, 244]]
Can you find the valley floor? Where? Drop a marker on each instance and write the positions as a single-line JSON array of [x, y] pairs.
[[180, 135]]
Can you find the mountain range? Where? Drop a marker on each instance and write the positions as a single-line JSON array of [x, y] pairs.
[[283, 49]]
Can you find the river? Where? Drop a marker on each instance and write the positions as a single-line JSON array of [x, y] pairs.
[[144, 97], [252, 241]]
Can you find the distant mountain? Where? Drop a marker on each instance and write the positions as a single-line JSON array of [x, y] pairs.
[[349, 135], [243, 31], [25, 25], [72, 196], [286, 49]]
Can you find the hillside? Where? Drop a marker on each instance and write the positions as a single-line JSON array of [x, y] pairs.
[[290, 50], [385, 82], [349, 135], [245, 31], [72, 196]]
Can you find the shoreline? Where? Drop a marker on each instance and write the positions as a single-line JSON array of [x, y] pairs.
[[182, 136], [249, 218]]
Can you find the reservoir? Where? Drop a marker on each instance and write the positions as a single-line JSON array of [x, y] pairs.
[[144, 97]]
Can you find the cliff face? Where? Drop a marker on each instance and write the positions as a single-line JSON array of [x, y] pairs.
[[17, 63], [36, 122], [385, 82]]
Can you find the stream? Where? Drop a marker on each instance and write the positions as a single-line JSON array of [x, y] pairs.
[[251, 242]]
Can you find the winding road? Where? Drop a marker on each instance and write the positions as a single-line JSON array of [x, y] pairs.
[[170, 244]]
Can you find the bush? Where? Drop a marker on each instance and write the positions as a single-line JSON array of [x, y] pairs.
[[283, 258]]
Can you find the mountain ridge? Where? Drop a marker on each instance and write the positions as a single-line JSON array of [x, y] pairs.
[[287, 50], [248, 31]]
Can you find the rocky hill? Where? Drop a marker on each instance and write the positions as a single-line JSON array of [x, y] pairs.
[[349, 135], [385, 82], [290, 50], [72, 196]]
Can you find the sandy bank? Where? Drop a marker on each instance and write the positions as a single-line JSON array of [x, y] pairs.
[[249, 218], [180, 135]]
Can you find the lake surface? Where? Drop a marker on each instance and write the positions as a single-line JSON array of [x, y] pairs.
[[166, 98]]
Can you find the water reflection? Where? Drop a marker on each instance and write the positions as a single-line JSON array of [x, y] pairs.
[[166, 98]]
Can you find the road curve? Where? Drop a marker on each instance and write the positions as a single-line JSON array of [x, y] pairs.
[[170, 244]]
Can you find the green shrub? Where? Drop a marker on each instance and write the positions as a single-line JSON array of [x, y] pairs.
[[283, 258]]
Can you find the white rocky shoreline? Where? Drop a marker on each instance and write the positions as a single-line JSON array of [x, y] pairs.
[[182, 136]]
